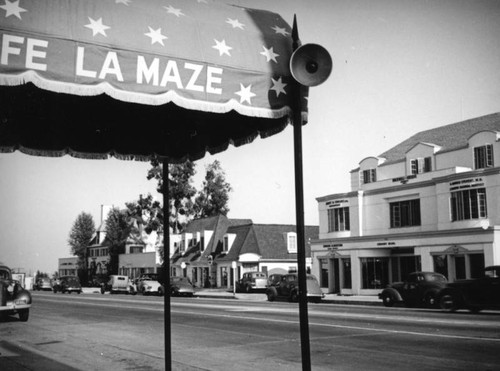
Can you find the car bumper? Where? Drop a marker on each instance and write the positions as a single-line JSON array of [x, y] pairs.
[[13, 307]]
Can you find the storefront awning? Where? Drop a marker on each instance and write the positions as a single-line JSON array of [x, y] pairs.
[[140, 78]]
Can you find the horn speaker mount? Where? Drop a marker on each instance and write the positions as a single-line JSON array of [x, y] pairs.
[[311, 64]]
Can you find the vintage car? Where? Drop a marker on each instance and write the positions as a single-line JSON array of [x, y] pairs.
[[419, 290], [14, 299], [251, 281], [181, 286], [43, 283], [148, 283], [473, 294], [119, 285], [288, 288], [67, 284]]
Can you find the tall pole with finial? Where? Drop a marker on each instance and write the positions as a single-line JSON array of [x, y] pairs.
[[299, 209]]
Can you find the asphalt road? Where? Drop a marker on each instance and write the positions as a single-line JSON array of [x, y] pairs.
[[118, 332]]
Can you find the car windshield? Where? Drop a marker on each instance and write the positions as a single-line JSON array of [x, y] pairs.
[[72, 281]]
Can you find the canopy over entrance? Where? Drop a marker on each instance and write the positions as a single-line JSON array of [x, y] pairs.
[[140, 78]]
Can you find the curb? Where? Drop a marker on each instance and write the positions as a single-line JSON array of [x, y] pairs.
[[324, 301]]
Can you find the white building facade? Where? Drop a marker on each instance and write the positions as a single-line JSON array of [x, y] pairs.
[[431, 203]]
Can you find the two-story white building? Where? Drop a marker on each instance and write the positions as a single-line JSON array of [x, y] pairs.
[[431, 203]]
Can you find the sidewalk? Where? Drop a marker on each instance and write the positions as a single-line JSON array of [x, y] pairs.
[[258, 296]]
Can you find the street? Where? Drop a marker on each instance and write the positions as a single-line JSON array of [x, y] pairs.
[[117, 332]]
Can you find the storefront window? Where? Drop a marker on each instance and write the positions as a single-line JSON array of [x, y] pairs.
[[346, 271], [402, 266], [460, 267], [441, 264], [375, 272], [476, 265], [324, 273]]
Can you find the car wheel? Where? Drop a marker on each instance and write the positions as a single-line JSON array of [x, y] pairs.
[[103, 290], [430, 300], [475, 309], [388, 300], [271, 294], [448, 303], [24, 315], [294, 296]]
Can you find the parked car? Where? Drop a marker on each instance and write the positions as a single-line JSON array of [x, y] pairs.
[[181, 286], [14, 299], [251, 281], [67, 284], [288, 288], [473, 294], [419, 290], [119, 285], [149, 283], [43, 283]]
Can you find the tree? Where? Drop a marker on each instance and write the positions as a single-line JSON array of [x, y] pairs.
[[118, 229], [213, 198], [181, 190], [79, 240]]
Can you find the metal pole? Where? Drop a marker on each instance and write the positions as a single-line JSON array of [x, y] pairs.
[[299, 209], [166, 268]]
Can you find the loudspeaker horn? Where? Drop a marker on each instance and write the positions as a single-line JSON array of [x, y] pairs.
[[311, 64]]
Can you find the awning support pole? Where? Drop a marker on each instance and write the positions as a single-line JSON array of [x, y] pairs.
[[166, 268], [299, 209]]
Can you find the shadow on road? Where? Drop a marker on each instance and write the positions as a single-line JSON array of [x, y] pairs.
[[14, 358]]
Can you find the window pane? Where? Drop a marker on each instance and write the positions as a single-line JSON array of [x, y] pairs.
[[441, 264], [460, 267], [375, 272], [476, 265]]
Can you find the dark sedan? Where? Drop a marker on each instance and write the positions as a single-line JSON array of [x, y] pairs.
[[419, 290], [288, 288], [473, 294], [181, 286]]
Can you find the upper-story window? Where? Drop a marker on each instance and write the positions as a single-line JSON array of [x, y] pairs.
[[405, 213], [227, 241], [292, 242], [468, 204], [483, 156], [421, 165], [338, 219], [368, 176]]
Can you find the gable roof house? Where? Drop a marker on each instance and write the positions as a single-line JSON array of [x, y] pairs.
[[429, 203], [213, 244]]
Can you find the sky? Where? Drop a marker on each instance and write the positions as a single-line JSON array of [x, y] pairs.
[[399, 67]]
